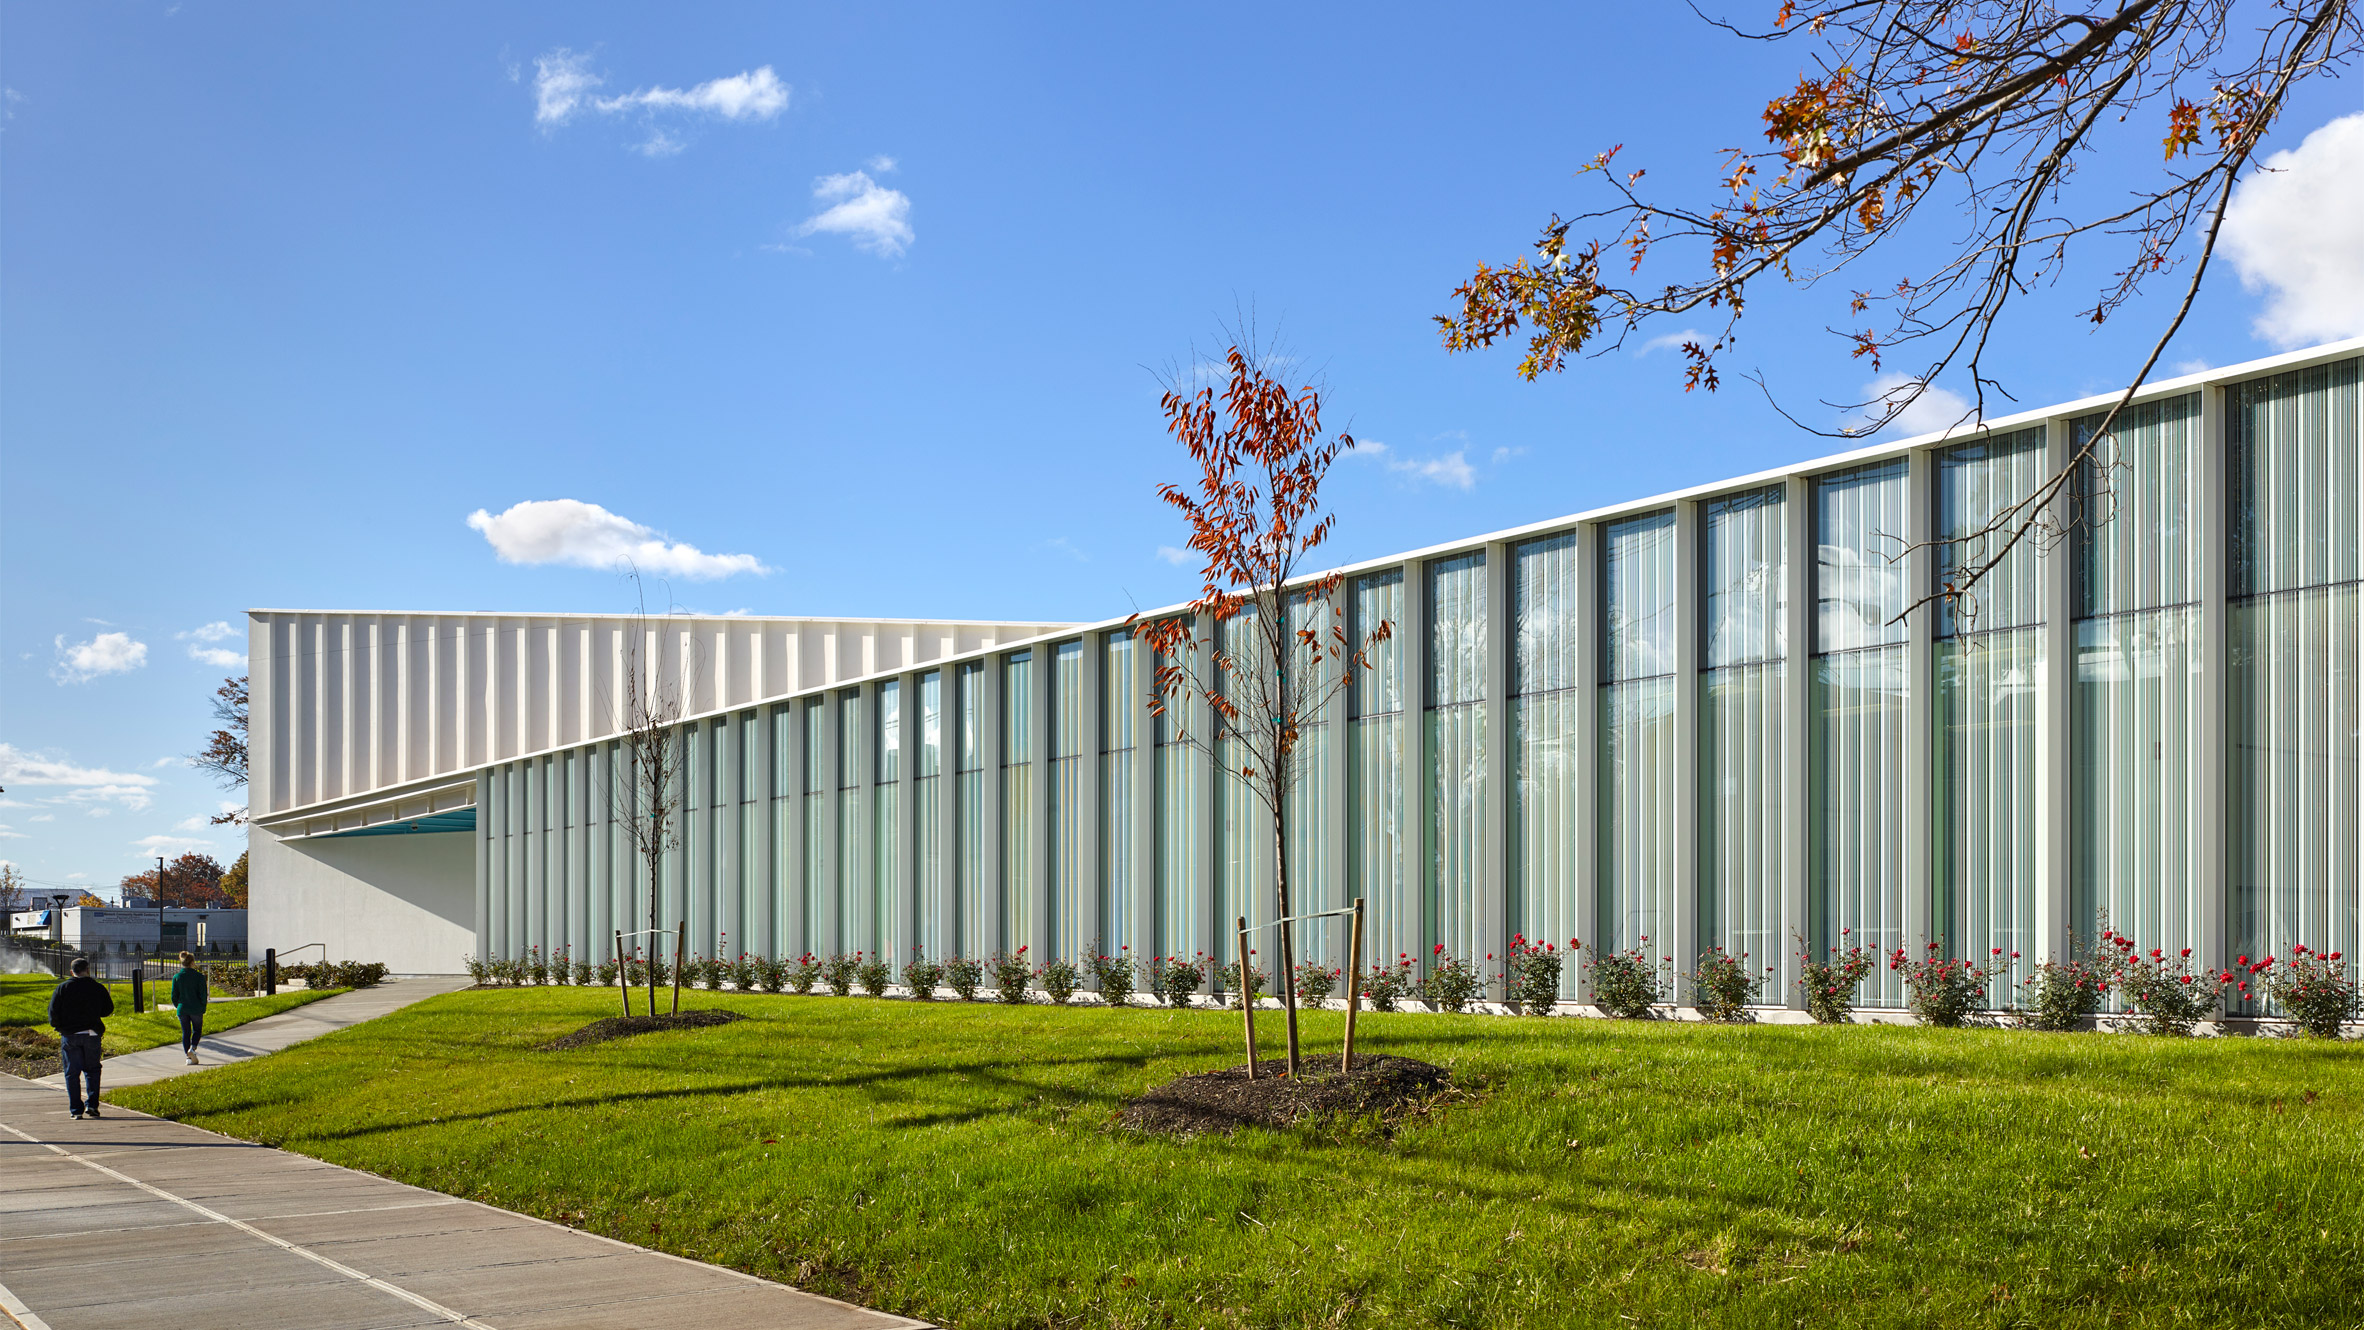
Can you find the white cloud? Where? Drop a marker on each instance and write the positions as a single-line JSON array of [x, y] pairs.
[[875, 218], [1502, 455], [189, 824], [216, 631], [1062, 545], [1451, 470], [1935, 409], [881, 163], [82, 785], [2295, 230], [107, 653], [1667, 342], [1180, 558], [8, 834], [562, 81], [754, 95], [565, 86], [170, 846], [2195, 365], [585, 535]]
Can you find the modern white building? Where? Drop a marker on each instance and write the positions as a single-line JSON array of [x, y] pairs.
[[1704, 718], [125, 929]]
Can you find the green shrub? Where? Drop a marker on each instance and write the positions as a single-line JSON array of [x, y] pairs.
[[1011, 976], [1451, 983], [2061, 994], [840, 970], [804, 973], [1941, 991], [1829, 985], [962, 974], [537, 970], [1113, 975], [480, 970], [1315, 983], [1628, 984], [1723, 988], [232, 979], [1174, 979], [605, 974], [1059, 980], [747, 972], [2312, 988], [584, 973], [1228, 983], [921, 975], [1531, 980], [2168, 994], [873, 975], [562, 970], [1387, 985]]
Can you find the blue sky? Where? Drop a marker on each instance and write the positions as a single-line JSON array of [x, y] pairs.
[[869, 296]]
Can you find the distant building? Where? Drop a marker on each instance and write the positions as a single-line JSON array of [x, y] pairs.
[[121, 929], [1731, 716]]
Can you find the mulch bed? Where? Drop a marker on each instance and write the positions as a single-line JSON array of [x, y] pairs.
[[29, 1051], [1225, 1101], [617, 1027]]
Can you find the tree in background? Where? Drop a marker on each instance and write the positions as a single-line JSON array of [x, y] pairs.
[[224, 754], [89, 902], [233, 883], [649, 796], [193, 881], [1978, 113], [13, 892], [1264, 652]]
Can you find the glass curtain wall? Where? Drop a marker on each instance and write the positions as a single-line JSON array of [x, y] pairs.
[[1120, 709], [889, 931], [1990, 665], [1378, 834], [1068, 869], [2296, 684], [974, 910], [1639, 764], [1545, 829], [1311, 887], [933, 933], [1243, 857], [820, 924], [2138, 700], [1182, 782], [1456, 686], [757, 912], [1743, 742], [851, 884], [1860, 674], [1017, 800]]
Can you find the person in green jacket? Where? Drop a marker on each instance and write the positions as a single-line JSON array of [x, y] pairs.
[[188, 998]]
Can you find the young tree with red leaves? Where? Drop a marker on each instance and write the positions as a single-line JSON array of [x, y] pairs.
[[193, 881], [1265, 649], [1976, 113]]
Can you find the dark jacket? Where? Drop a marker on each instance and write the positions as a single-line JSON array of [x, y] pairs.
[[188, 991], [81, 1003]]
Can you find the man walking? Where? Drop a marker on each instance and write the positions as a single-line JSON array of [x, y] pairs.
[[188, 998], [78, 1011]]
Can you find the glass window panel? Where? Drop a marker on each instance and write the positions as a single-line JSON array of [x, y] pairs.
[[1860, 535], [1457, 645], [1742, 750], [849, 737], [1379, 599], [1858, 756], [2140, 547], [1978, 485], [2297, 503], [1017, 709], [931, 722], [1637, 597], [1985, 833], [969, 681], [978, 909], [1544, 820], [1122, 694], [1543, 615], [1457, 794], [1067, 699], [1375, 774], [1638, 771], [890, 731], [1745, 576], [1181, 830], [2136, 715]]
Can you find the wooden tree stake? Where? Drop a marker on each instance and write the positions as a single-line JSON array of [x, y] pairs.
[[623, 973], [680, 952], [1354, 983], [1247, 996]]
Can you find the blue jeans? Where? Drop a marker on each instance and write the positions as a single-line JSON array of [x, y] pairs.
[[192, 1028], [80, 1052]]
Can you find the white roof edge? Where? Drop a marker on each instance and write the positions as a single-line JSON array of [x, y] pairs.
[[2287, 360], [694, 618]]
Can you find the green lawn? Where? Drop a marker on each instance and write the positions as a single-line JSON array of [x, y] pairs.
[[956, 1162], [24, 1000]]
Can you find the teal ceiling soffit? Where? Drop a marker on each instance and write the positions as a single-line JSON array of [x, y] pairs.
[[452, 819]]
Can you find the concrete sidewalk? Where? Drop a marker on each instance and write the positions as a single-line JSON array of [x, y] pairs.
[[270, 1034], [133, 1220]]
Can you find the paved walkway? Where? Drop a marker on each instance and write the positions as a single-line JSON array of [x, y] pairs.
[[132, 1220], [268, 1035]]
